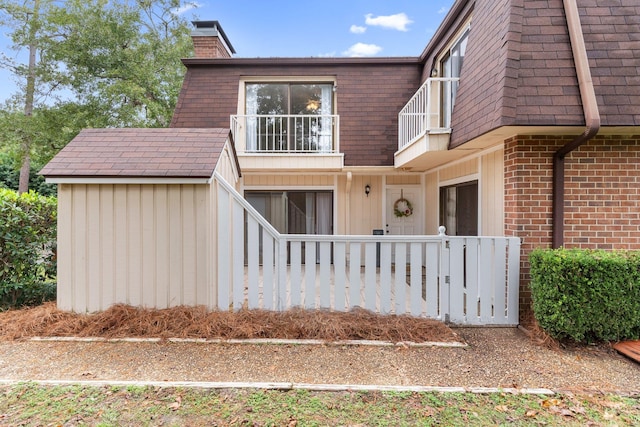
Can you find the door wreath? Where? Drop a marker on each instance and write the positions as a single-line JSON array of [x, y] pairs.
[[402, 208]]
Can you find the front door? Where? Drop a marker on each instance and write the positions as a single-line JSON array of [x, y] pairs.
[[403, 213]]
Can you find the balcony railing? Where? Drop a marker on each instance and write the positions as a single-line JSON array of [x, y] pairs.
[[259, 133], [428, 110]]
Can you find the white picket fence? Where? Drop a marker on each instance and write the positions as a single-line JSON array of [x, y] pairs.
[[462, 280]]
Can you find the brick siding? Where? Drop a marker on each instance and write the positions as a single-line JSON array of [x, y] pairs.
[[209, 47], [602, 195]]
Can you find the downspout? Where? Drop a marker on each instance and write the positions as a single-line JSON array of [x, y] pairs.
[[591, 116]]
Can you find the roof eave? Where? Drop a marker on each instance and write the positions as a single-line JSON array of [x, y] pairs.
[[305, 61]]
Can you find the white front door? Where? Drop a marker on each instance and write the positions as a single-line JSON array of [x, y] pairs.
[[403, 210]]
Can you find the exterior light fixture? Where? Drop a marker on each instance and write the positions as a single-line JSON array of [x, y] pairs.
[[367, 189]]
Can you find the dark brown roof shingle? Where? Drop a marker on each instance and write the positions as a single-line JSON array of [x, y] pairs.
[[176, 153]]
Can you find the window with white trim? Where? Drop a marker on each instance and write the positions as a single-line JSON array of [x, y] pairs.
[[295, 116], [451, 66]]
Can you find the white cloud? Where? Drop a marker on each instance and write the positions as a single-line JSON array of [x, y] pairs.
[[398, 21], [186, 7], [443, 10], [356, 29], [362, 49]]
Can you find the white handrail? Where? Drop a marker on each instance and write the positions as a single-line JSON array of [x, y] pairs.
[[425, 110], [286, 133]]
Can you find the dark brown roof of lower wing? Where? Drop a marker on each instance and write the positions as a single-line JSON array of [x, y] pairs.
[[150, 153]]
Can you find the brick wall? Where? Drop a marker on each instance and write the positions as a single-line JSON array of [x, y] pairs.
[[209, 47], [602, 195]]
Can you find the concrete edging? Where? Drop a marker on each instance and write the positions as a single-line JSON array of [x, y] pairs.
[[283, 386], [255, 341]]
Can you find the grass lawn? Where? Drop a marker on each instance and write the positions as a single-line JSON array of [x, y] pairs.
[[31, 404]]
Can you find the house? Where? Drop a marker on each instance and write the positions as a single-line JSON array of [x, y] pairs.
[[520, 119]]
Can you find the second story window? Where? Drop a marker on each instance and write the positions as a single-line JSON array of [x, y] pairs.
[[289, 116], [451, 66]]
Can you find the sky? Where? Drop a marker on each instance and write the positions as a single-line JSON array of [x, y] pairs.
[[295, 28]]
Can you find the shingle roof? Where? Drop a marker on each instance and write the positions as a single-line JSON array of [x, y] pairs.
[[519, 69], [176, 153]]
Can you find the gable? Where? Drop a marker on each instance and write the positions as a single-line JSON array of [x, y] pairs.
[[140, 153]]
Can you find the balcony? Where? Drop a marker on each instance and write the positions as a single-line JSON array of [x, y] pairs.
[[287, 142], [424, 124]]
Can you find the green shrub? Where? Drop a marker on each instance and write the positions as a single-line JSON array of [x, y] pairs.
[[586, 295], [27, 248]]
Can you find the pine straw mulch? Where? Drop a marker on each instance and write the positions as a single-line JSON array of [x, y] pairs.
[[123, 321]]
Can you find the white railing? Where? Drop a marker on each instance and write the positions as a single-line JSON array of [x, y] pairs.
[[463, 280], [428, 110], [260, 133]]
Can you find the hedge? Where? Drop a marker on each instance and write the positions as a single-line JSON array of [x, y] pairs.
[[27, 248], [586, 295]]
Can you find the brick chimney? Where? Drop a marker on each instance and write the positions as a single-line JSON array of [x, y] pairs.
[[210, 41]]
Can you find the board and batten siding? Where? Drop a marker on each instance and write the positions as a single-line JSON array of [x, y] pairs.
[[278, 181], [139, 244], [491, 189], [488, 168], [226, 166]]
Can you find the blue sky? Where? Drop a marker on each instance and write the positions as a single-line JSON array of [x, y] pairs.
[[326, 28], [294, 28]]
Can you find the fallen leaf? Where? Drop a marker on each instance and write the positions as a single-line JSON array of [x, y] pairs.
[[548, 403], [531, 413], [176, 405], [566, 413], [502, 408]]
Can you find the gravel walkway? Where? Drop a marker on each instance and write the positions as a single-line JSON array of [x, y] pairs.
[[499, 357]]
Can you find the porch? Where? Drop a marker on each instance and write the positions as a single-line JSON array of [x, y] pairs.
[[462, 280]]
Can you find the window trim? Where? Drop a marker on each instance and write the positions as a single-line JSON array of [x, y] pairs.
[[242, 89]]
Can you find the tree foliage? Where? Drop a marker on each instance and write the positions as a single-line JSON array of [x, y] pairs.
[[99, 63], [123, 56]]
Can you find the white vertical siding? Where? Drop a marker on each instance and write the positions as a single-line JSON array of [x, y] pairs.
[[65, 298], [432, 203], [145, 245], [492, 194], [226, 166], [458, 170]]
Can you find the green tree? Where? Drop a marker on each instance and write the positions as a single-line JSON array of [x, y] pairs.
[[92, 63], [123, 57]]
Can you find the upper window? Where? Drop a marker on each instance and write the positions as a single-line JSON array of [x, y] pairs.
[[289, 116], [451, 66], [289, 98]]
